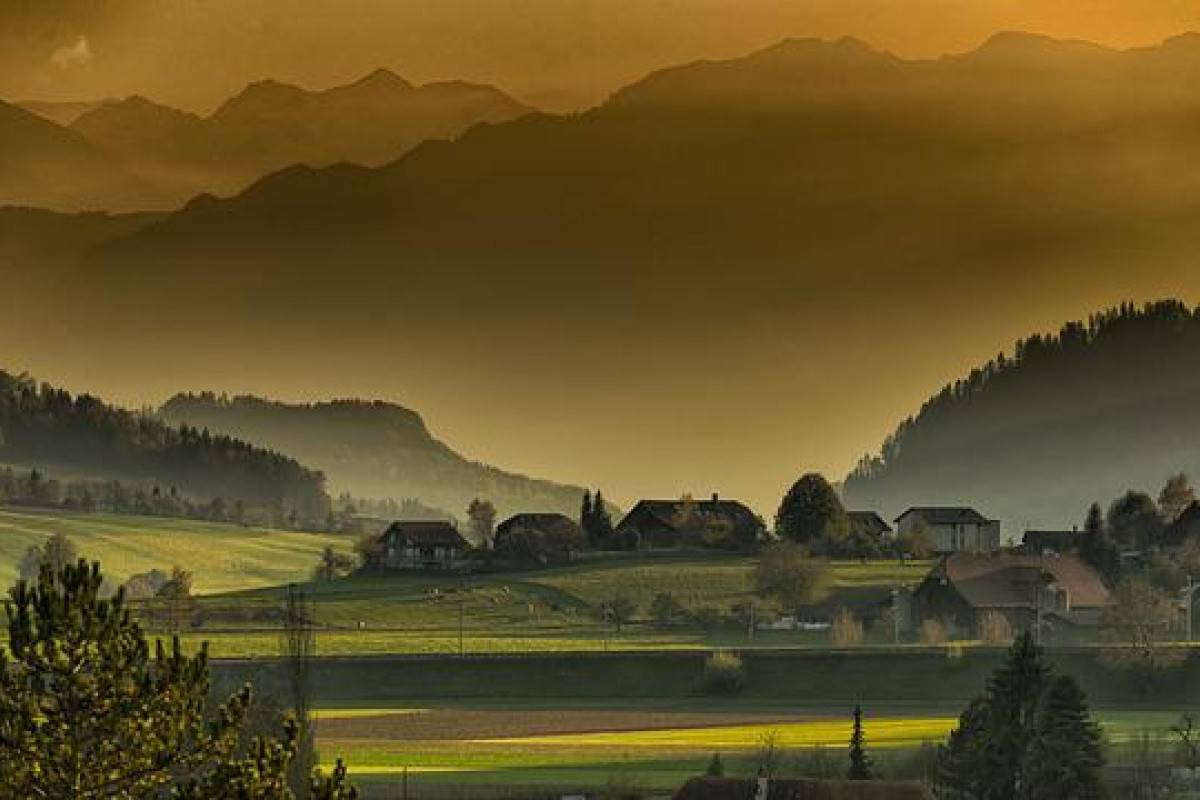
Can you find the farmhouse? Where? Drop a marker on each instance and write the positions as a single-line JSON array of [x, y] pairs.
[[721, 523], [423, 545], [544, 538], [709, 788], [1062, 592], [870, 524], [950, 529]]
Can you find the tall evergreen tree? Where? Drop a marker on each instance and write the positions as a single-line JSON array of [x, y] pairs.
[[1011, 703], [1096, 547], [1065, 756], [585, 512], [602, 525], [957, 773], [860, 762]]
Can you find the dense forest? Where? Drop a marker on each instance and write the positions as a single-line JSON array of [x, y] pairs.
[[50, 429], [1033, 437], [372, 450]]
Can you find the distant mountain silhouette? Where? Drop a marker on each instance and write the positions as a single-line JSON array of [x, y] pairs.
[[374, 450], [820, 169], [1035, 436], [51, 430], [44, 164], [272, 125], [59, 112]]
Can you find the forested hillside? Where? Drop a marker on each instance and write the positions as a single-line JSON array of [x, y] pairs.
[[374, 450], [1034, 436], [48, 428]]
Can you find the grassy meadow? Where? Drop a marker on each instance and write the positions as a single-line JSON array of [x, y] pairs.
[[222, 558]]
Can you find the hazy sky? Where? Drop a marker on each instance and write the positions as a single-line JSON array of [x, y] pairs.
[[558, 54]]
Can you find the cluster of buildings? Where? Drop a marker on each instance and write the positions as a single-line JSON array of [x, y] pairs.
[[974, 577]]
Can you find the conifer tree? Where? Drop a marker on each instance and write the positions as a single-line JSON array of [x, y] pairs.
[[1096, 547], [1066, 752], [860, 762], [716, 767], [87, 712], [957, 775], [1011, 704]]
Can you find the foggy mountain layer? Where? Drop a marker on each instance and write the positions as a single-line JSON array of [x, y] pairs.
[[372, 450], [1103, 406], [728, 273]]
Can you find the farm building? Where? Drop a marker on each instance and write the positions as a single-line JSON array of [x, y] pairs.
[[542, 538], [1066, 594], [951, 529], [870, 524], [726, 524], [709, 788], [424, 545]]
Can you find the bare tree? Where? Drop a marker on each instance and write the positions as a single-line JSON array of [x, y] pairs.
[[481, 515]]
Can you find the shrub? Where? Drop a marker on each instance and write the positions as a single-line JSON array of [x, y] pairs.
[[994, 628], [933, 632], [770, 752], [665, 610], [723, 673], [716, 767], [847, 629]]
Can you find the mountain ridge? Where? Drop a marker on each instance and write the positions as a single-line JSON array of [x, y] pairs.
[[372, 449]]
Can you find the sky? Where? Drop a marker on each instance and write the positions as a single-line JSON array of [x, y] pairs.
[[644, 437], [559, 55]]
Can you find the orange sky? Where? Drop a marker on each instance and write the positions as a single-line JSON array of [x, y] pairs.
[[558, 54]]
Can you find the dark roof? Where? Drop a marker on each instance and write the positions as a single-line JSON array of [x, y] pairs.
[[1011, 581], [703, 512], [535, 521], [869, 520], [425, 534], [1187, 523], [1036, 541], [946, 515], [801, 789]]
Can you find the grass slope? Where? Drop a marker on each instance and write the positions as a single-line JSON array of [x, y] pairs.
[[222, 558]]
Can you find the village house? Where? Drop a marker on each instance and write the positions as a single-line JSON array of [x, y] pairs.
[[1060, 592], [542, 537], [424, 545], [657, 524], [870, 524], [1185, 526], [950, 529]]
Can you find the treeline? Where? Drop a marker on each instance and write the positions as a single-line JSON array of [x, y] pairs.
[[1100, 403], [51, 428]]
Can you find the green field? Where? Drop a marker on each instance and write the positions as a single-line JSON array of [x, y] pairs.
[[222, 558], [533, 611], [442, 756]]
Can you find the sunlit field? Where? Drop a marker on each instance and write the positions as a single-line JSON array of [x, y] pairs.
[[222, 558]]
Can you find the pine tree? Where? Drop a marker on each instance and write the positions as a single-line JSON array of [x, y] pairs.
[[958, 760], [87, 712], [860, 762], [1096, 547], [1066, 752], [716, 767], [1011, 705], [602, 526]]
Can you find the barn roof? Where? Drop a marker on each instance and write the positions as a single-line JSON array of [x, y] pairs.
[[1010, 581], [700, 512], [870, 520], [536, 521], [707, 788], [946, 515], [425, 534]]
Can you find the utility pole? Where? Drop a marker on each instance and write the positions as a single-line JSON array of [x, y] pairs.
[[462, 587]]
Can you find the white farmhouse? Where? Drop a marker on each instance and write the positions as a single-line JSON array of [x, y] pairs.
[[950, 529]]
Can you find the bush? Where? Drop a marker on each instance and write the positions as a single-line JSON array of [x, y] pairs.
[[716, 767], [847, 629], [994, 628], [933, 632], [723, 673]]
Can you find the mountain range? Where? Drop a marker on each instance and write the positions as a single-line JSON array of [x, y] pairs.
[[372, 450], [752, 256], [173, 155], [1101, 407]]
